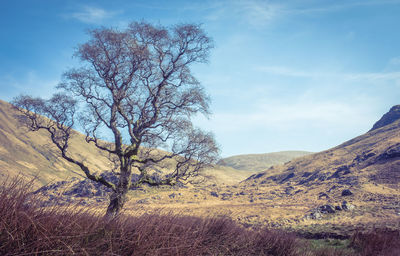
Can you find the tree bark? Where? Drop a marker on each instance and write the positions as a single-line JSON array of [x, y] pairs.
[[119, 197], [117, 201]]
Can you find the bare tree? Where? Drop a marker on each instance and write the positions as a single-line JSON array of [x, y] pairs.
[[135, 87]]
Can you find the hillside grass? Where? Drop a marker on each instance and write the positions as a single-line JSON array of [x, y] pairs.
[[28, 229]]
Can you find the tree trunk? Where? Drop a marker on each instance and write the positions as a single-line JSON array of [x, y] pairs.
[[118, 197], [117, 201]]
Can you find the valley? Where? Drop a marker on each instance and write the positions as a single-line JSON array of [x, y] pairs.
[[354, 186]]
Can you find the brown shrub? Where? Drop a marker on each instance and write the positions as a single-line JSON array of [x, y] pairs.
[[382, 242], [28, 229]]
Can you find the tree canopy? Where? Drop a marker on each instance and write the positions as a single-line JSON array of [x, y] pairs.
[[134, 95]]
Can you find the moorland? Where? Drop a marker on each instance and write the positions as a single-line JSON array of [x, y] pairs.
[[342, 201]]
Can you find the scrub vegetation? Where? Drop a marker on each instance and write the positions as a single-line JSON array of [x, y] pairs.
[[26, 228]]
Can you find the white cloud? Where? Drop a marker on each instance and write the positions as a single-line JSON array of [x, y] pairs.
[[92, 15]]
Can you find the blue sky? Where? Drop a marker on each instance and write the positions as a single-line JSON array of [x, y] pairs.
[[284, 75]]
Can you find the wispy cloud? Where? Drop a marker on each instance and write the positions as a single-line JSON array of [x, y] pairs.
[[252, 12], [303, 123], [285, 71], [322, 7], [92, 15], [305, 112], [259, 13]]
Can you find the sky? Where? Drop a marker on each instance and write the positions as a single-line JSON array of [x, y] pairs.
[[284, 75]]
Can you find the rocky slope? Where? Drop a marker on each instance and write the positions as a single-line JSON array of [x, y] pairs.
[[392, 116], [362, 174], [370, 158]]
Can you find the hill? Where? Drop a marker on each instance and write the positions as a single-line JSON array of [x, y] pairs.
[[363, 172], [31, 154], [260, 162], [370, 158]]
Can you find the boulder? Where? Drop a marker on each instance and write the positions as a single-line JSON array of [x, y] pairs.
[[213, 193], [288, 190], [318, 212], [338, 208], [315, 215], [342, 170], [347, 206], [226, 196], [323, 195], [346, 192], [327, 208], [143, 201]]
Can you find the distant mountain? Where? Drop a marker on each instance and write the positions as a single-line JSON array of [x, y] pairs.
[[259, 162], [370, 158]]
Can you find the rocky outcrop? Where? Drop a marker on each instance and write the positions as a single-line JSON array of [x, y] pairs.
[[388, 118], [82, 188], [79, 191], [346, 192], [213, 193], [321, 211]]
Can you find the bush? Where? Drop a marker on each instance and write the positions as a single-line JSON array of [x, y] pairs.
[[28, 229], [380, 241]]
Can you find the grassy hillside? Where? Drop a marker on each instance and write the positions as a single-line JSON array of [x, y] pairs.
[[260, 162], [370, 158]]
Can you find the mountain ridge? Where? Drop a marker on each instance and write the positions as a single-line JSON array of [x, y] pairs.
[[388, 118], [259, 162]]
